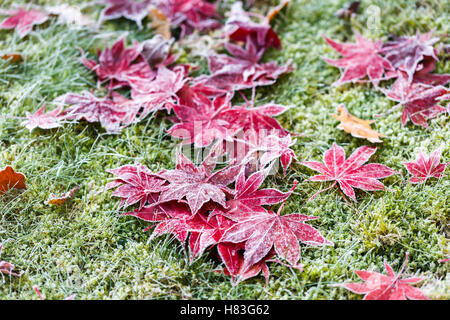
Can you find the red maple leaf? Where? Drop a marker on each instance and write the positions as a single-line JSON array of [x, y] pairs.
[[156, 94], [191, 14], [198, 185], [6, 267], [116, 64], [419, 100], [204, 122], [39, 119], [378, 286], [130, 9], [248, 199], [257, 120], [136, 183], [424, 75], [405, 53], [22, 20], [262, 231], [359, 59], [349, 173], [426, 167], [242, 70], [113, 114]]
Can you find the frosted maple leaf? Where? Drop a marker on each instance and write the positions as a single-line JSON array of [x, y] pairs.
[[262, 231], [377, 286], [405, 53], [349, 173], [426, 167], [360, 59], [129, 9], [198, 185], [39, 119], [22, 20]]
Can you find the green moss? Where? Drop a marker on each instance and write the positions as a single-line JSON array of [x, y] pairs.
[[86, 248]]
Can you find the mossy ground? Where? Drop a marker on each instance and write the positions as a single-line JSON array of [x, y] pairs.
[[87, 249]]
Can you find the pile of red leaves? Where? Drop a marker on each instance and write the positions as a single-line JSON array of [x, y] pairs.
[[196, 203], [409, 60], [221, 205]]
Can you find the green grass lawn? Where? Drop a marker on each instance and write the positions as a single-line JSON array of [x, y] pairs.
[[87, 249]]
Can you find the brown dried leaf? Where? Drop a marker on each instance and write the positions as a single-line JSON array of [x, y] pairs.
[[57, 201], [273, 12], [356, 127], [160, 22], [10, 179], [12, 57]]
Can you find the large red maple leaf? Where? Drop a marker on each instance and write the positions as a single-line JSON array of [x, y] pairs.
[[130, 9], [22, 20], [360, 59], [198, 185], [405, 53], [120, 65], [113, 114], [262, 231], [426, 167], [377, 286], [349, 173], [419, 100]]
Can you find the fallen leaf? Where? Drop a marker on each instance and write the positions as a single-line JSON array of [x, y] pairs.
[[273, 12], [160, 23], [360, 59], [22, 20], [39, 119], [12, 57], [377, 286], [60, 200], [70, 15], [426, 167], [356, 127], [129, 9], [349, 173], [10, 179], [262, 231]]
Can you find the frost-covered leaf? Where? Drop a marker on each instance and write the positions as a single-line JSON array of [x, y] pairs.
[[113, 114], [359, 60], [198, 185], [136, 183], [263, 231], [377, 286], [420, 101], [120, 65], [129, 9], [61, 199], [39, 119], [356, 127], [349, 173], [405, 53], [70, 15], [22, 20], [426, 167]]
